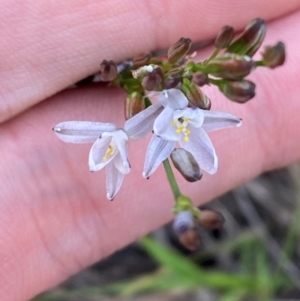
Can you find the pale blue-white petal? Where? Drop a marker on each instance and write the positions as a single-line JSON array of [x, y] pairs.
[[200, 146], [82, 131], [214, 120], [97, 155], [175, 99], [141, 124], [122, 165], [114, 180], [163, 127], [195, 116], [158, 150], [120, 140]]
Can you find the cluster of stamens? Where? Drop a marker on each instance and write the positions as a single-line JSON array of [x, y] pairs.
[[181, 127], [109, 152]]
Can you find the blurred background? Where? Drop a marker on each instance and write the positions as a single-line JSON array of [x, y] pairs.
[[255, 256]]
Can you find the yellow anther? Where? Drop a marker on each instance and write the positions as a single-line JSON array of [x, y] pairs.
[[109, 152], [186, 138], [173, 122], [187, 132]]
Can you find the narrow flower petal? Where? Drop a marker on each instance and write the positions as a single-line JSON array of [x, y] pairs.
[[141, 124], [214, 120], [114, 180], [158, 150], [98, 154], [175, 99], [82, 131], [122, 165], [200, 146]]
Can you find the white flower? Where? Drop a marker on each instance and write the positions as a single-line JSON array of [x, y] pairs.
[[109, 149], [189, 128], [141, 124]]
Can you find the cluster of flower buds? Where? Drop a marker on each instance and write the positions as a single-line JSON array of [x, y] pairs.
[[165, 98], [188, 219]]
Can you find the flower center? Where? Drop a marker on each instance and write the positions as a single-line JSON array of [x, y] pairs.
[[181, 127], [109, 152]]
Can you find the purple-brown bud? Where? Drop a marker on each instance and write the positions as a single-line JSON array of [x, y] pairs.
[[200, 79], [178, 50], [224, 37], [173, 81], [186, 164], [186, 230], [238, 91], [141, 59], [274, 56], [211, 219], [135, 103], [196, 97], [250, 39], [153, 80], [230, 66], [108, 70]]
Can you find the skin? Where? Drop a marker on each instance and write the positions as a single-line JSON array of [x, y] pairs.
[[54, 217]]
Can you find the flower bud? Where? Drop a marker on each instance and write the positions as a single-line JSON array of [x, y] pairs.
[[238, 91], [274, 56], [230, 66], [141, 72], [135, 103], [179, 50], [153, 80], [224, 37], [141, 59], [200, 79], [173, 81], [196, 97], [108, 70], [250, 39], [185, 163], [184, 227], [211, 219]]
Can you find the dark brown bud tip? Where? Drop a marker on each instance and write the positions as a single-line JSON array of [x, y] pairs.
[[238, 91], [135, 103], [196, 97], [250, 39], [173, 81], [274, 56], [231, 66], [185, 163], [200, 79], [224, 37], [211, 219], [179, 50], [153, 80], [141, 59], [190, 239], [108, 70]]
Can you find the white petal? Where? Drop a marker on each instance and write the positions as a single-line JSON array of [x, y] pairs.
[[176, 99], [200, 146], [163, 127], [98, 152], [195, 116], [141, 124], [82, 131], [120, 140], [158, 150], [122, 165], [114, 180], [214, 120]]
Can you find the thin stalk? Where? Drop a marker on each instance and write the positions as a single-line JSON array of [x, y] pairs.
[[214, 54], [171, 179]]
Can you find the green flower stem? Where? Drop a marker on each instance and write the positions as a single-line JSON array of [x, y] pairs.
[[171, 179], [214, 54]]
